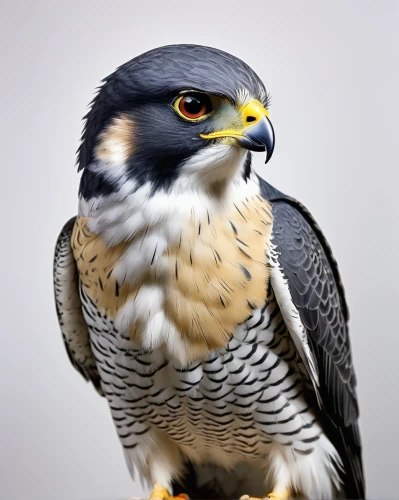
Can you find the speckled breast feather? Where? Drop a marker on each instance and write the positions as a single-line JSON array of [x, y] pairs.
[[212, 279]]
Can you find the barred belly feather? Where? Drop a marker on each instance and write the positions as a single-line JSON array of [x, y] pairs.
[[243, 404]]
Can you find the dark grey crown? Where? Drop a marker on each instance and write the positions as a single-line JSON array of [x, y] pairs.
[[159, 74]]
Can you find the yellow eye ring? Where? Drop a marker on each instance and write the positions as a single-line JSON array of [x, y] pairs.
[[193, 106]]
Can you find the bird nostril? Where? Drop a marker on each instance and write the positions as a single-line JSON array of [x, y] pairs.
[[250, 119]]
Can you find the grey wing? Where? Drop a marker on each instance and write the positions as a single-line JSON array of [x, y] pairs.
[[307, 286], [69, 309]]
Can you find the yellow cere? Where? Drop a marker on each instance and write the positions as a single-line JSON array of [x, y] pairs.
[[252, 113]]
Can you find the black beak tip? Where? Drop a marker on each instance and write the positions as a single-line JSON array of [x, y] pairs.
[[260, 137], [269, 154], [271, 141]]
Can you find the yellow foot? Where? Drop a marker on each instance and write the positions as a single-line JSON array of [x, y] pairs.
[[161, 493], [280, 495]]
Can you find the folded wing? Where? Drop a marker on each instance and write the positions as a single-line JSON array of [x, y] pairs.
[[69, 308]]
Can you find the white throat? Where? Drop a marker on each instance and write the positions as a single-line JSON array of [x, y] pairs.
[[207, 183]]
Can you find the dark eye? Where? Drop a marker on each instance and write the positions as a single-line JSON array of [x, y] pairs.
[[194, 106]]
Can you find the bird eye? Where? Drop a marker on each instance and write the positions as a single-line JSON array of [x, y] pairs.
[[193, 106]]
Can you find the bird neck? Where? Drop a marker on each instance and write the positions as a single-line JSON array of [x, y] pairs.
[[208, 183]]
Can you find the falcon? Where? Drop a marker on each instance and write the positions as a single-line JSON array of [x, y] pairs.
[[204, 304]]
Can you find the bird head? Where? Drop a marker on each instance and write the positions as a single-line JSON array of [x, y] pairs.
[[170, 112]]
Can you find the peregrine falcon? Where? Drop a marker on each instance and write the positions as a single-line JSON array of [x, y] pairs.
[[204, 304]]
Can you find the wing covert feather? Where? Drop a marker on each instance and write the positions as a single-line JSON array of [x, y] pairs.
[[314, 285], [314, 293], [69, 308]]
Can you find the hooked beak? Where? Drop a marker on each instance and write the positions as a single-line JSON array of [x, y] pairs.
[[257, 133]]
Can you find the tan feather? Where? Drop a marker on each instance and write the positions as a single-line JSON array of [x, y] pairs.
[[212, 279]]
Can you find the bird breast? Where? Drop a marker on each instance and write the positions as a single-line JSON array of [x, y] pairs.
[[194, 292]]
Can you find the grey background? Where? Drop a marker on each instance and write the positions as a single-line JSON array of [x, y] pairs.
[[332, 70]]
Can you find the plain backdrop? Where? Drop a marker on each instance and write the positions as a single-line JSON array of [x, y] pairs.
[[332, 70]]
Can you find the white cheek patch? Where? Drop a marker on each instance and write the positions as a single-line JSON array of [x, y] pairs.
[[115, 144]]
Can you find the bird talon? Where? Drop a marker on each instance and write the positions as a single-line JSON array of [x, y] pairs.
[[281, 495], [275, 496], [161, 493]]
